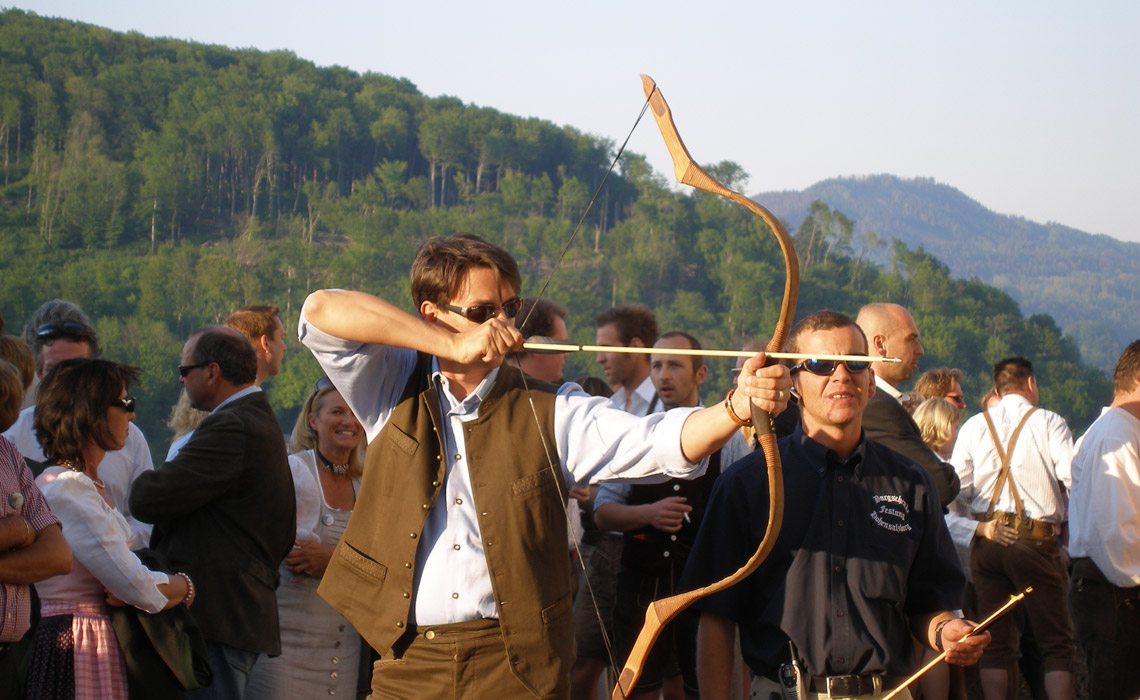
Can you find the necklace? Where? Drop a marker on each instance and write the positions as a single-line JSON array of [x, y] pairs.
[[77, 466], [338, 469]]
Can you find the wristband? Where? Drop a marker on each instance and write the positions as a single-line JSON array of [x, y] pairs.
[[732, 414], [31, 536], [938, 634]]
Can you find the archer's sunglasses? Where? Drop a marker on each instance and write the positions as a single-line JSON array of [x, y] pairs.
[[825, 368], [128, 404], [482, 313]]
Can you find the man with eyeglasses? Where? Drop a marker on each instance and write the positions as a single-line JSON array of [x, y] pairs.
[[58, 331], [863, 561], [224, 509], [454, 564], [892, 332]]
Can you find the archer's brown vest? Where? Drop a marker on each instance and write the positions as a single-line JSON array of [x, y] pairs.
[[369, 579]]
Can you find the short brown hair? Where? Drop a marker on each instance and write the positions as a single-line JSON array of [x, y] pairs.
[[822, 321], [698, 360], [72, 403], [631, 321], [254, 321], [11, 394], [441, 264], [536, 317], [231, 352], [17, 352], [938, 382], [1127, 372], [1011, 374]]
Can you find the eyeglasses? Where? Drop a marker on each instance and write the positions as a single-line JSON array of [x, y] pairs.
[[70, 328], [128, 404], [481, 313], [183, 370], [825, 368], [957, 400]]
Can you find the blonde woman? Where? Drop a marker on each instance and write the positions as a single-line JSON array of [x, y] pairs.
[[320, 650], [938, 422]]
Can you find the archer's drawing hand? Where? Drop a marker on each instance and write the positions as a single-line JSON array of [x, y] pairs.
[[487, 343]]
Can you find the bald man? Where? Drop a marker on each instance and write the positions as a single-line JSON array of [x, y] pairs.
[[892, 332]]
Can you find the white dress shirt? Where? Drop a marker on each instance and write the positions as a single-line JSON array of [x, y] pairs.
[[1041, 460], [1104, 510], [593, 442], [118, 470]]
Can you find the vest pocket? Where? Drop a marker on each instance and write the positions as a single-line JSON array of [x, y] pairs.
[[557, 609], [359, 564], [400, 440], [531, 482]]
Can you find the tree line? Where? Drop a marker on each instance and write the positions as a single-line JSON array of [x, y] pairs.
[[160, 184]]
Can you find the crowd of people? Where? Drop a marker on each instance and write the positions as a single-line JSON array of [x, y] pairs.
[[452, 518]]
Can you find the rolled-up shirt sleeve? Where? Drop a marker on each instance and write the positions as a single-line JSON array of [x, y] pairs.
[[597, 442]]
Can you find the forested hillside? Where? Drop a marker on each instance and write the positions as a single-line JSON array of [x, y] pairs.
[[1090, 284], [161, 184]]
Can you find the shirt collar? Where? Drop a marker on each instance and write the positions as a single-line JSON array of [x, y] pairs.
[[471, 402], [823, 458], [251, 389], [882, 385]]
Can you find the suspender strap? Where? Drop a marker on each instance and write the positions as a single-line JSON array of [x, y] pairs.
[[1006, 456]]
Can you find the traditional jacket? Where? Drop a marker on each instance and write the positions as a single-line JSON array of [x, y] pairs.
[[521, 519]]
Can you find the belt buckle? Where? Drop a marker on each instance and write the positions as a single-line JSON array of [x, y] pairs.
[[857, 681]]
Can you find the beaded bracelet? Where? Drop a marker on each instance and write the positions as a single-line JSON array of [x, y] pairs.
[[732, 414], [189, 589]]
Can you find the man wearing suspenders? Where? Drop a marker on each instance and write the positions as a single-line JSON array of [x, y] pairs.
[[1014, 464]]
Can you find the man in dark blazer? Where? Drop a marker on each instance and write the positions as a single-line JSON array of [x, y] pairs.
[[892, 332], [223, 508]]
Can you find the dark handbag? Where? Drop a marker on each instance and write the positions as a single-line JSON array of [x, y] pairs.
[[165, 652]]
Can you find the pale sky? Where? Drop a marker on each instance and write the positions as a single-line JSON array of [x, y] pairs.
[[1030, 108]]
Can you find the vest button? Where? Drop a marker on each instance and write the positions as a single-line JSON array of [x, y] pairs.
[[672, 538], [435, 483], [407, 565], [412, 535], [427, 505], [400, 625], [666, 553], [676, 487], [405, 595]]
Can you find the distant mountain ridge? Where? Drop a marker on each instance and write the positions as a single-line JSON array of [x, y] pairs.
[[1090, 284]]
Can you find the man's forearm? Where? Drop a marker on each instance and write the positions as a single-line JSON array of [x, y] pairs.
[[363, 318], [48, 556], [15, 532], [716, 642]]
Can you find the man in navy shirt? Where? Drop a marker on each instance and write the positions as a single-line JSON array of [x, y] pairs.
[[863, 564]]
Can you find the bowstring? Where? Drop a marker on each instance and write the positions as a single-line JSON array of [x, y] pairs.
[[550, 459]]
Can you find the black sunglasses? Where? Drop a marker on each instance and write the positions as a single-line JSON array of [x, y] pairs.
[[825, 368], [183, 370], [128, 404], [481, 313], [69, 328]]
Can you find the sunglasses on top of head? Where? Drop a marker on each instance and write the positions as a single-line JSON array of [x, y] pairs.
[[825, 368], [481, 313]]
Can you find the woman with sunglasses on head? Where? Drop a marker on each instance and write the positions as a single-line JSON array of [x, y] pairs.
[[83, 412], [320, 650]]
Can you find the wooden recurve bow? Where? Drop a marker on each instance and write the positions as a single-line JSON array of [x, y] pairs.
[[660, 612]]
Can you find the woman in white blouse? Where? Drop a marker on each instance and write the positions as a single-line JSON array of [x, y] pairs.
[[82, 412], [320, 650]]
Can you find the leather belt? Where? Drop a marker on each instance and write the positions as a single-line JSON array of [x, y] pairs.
[[848, 686], [1026, 527]]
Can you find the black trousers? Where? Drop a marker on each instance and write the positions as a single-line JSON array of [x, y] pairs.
[[1108, 624]]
